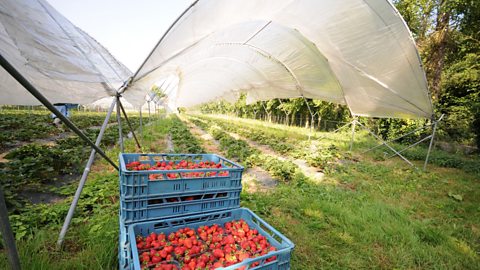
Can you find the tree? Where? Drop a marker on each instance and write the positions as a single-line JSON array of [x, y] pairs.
[[447, 33]]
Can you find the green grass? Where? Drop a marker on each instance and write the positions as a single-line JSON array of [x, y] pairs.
[[366, 214], [380, 214]]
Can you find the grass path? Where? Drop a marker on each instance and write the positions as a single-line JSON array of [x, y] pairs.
[[254, 179]]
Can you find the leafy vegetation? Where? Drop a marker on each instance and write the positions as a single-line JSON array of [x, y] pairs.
[[92, 237], [36, 165], [239, 150], [24, 126], [371, 213], [183, 140]]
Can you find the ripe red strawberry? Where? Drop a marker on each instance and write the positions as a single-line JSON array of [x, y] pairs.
[[188, 243], [218, 253], [156, 258], [179, 251], [168, 248], [229, 240], [163, 253]]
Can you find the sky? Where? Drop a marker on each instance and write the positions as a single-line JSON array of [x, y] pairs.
[[128, 29]]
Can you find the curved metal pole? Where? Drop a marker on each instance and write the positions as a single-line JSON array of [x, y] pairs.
[[161, 39], [81, 184], [149, 111]]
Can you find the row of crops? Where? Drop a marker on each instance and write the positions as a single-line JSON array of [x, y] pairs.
[[367, 212], [37, 156]]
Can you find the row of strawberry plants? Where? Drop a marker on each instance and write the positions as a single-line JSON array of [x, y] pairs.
[[25, 126], [183, 140], [320, 156], [285, 171], [33, 165]]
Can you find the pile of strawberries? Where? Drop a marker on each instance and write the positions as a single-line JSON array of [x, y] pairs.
[[182, 165], [208, 247]]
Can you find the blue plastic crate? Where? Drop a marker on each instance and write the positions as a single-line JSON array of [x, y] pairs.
[[125, 261], [276, 239], [166, 206], [136, 184]]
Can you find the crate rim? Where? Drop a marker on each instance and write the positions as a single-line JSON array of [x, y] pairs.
[[123, 167]]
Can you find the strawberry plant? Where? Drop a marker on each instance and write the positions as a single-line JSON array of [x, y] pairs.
[[24, 127], [320, 156], [239, 149], [183, 140]]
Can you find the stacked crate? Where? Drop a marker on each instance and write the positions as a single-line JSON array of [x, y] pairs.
[[164, 201]]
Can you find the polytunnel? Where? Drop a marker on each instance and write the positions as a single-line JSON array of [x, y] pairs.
[[358, 53]]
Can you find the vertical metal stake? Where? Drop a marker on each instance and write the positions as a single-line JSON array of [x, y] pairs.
[[8, 239], [86, 171], [141, 124], [430, 146], [119, 121], [354, 124], [149, 111]]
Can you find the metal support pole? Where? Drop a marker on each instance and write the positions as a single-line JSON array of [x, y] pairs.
[[354, 124], [141, 123], [8, 239], [30, 88], [410, 146], [129, 124], [119, 122], [266, 111], [386, 144], [311, 113], [149, 111], [435, 123], [395, 139], [81, 184]]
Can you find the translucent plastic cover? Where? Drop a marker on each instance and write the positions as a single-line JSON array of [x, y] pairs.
[[62, 61], [357, 52]]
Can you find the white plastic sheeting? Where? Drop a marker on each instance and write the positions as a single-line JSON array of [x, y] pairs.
[[64, 63], [354, 52]]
